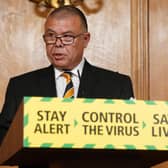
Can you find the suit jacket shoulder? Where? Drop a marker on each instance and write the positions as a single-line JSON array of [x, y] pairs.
[[36, 83], [101, 83], [40, 82]]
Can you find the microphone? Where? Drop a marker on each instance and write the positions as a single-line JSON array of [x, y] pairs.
[[81, 90], [79, 75]]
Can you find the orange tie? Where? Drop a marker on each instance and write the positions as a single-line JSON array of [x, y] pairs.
[[69, 90]]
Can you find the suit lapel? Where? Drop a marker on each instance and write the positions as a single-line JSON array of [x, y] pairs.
[[47, 82], [88, 81]]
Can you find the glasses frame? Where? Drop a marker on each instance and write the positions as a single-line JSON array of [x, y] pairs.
[[60, 37]]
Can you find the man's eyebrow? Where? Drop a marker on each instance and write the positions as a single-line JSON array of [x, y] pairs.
[[50, 30]]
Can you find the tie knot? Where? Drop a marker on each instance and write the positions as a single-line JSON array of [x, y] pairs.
[[69, 90], [67, 75]]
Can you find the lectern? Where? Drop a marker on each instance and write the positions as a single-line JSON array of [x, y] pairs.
[[14, 152]]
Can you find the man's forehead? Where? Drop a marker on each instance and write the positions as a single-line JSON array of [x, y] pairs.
[[68, 18], [63, 15], [68, 21]]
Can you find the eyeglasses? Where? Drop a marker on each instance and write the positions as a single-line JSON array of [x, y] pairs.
[[51, 38]]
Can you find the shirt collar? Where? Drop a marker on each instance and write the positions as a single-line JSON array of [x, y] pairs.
[[77, 71]]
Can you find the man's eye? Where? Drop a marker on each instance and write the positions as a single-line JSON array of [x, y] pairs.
[[50, 35], [68, 36]]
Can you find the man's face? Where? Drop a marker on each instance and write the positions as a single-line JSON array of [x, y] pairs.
[[66, 56]]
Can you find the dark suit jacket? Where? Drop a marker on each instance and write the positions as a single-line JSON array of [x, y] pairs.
[[95, 83]]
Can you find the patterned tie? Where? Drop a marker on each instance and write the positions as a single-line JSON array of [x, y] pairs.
[[69, 90]]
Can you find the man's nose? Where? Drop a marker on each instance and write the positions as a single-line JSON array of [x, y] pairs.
[[58, 42]]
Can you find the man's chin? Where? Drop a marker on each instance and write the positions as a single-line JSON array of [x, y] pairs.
[[61, 66]]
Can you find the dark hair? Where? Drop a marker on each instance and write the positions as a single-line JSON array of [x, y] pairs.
[[69, 9]]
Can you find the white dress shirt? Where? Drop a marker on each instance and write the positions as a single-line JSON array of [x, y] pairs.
[[61, 81]]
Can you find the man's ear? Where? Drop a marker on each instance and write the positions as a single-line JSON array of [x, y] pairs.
[[86, 37]]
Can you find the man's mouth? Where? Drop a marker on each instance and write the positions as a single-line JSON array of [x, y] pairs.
[[58, 55]]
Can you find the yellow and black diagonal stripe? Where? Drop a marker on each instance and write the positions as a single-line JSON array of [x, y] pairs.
[[69, 90]]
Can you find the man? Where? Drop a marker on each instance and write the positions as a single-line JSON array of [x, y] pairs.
[[66, 36]]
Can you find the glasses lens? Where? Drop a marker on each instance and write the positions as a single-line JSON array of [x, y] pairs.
[[67, 39], [49, 39]]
